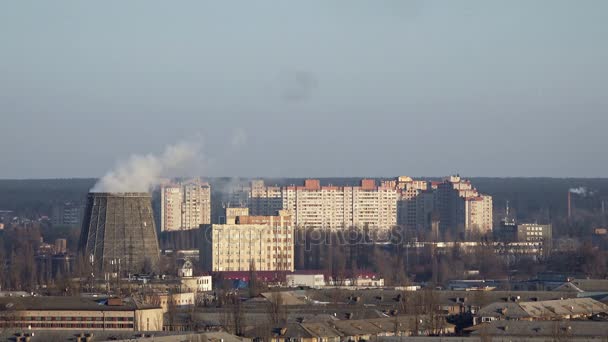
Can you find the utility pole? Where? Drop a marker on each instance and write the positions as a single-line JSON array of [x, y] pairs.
[[92, 261]]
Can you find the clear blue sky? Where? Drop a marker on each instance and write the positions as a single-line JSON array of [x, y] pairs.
[[307, 88]]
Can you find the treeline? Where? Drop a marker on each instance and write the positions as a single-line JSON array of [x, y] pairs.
[[19, 269], [343, 254], [346, 253], [35, 197]]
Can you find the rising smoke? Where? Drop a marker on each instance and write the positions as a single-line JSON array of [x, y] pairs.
[[141, 173], [582, 191]]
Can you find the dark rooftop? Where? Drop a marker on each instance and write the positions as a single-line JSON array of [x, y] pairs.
[[68, 303]]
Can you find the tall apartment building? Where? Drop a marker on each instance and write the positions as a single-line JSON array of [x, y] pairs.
[[415, 202], [265, 200], [185, 206], [68, 213], [328, 207], [171, 199], [463, 210], [197, 205], [264, 242]]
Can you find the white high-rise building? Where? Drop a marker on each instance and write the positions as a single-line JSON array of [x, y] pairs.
[[185, 206], [329, 207], [196, 205], [171, 198]]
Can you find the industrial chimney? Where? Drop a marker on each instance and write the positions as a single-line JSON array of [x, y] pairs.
[[569, 204], [118, 229]]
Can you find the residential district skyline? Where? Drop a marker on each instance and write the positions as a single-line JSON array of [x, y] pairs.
[[458, 208], [315, 88]]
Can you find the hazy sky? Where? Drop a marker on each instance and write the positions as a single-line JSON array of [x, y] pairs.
[[307, 88]]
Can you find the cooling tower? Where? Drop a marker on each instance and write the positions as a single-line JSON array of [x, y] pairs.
[[118, 228]]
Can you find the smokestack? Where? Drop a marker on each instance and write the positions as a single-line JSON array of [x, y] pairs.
[[569, 204]]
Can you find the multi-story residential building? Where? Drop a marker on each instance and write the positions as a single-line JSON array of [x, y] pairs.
[[263, 242], [68, 213], [415, 203], [185, 206], [196, 205], [463, 210], [265, 200], [478, 213], [236, 193], [329, 207], [171, 199]]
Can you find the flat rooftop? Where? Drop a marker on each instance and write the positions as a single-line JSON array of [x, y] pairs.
[[68, 304]]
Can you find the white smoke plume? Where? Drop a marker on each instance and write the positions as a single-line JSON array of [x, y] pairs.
[[141, 173], [239, 138], [581, 191]]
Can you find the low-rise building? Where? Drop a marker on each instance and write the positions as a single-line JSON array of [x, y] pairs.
[[184, 268], [570, 308], [359, 281], [310, 280], [362, 330], [540, 330], [368, 282], [197, 283], [509, 231], [584, 285], [169, 301], [79, 313], [233, 213]]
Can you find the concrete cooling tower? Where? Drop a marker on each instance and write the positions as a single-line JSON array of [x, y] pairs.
[[118, 229]]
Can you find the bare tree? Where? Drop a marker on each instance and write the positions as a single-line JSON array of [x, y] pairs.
[[276, 309], [561, 332], [237, 318], [172, 310], [254, 283]]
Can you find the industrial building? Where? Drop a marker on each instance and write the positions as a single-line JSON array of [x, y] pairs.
[[509, 231], [79, 313]]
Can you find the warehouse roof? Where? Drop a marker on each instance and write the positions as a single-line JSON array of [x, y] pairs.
[[561, 329], [564, 307], [70, 303]]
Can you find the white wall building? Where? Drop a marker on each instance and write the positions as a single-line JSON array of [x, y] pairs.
[[309, 280], [185, 206], [268, 246], [329, 207]]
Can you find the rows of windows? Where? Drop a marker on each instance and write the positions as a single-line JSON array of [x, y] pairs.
[[65, 325], [65, 319]]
